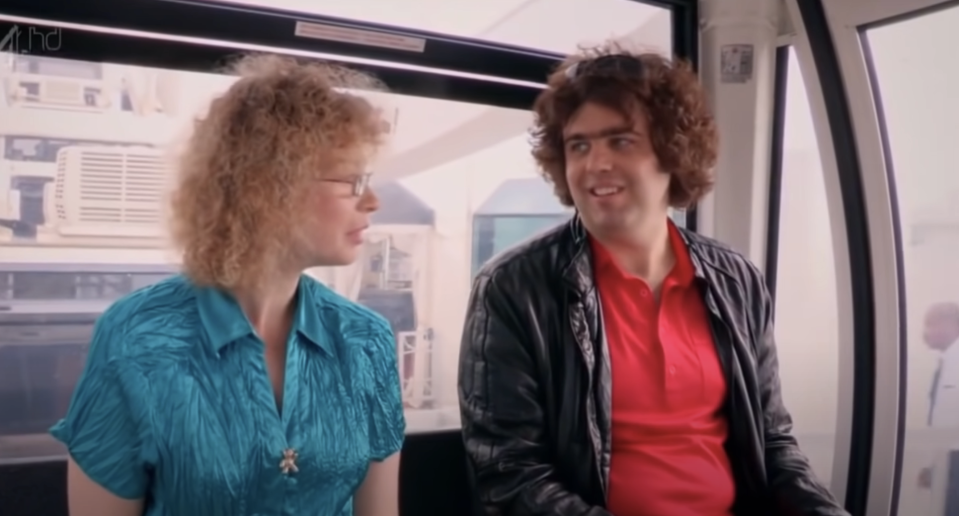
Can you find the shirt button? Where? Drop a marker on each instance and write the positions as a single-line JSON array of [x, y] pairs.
[[672, 370], [643, 292]]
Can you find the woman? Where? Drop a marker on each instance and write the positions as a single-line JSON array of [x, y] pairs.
[[242, 387]]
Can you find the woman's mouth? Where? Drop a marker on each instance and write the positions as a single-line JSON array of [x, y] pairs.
[[356, 236]]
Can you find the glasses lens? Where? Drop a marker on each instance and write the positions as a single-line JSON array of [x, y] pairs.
[[359, 187]]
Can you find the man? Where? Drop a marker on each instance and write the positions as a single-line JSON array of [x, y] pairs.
[[941, 332], [620, 365]]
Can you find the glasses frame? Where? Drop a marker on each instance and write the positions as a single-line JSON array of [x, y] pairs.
[[360, 183]]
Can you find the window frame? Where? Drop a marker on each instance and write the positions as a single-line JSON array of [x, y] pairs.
[[852, 15], [833, 45], [270, 27], [165, 35], [867, 268]]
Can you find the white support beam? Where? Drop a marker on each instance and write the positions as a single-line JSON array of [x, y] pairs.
[[492, 127], [737, 67]]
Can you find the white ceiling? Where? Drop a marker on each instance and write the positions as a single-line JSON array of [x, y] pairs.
[[552, 25]]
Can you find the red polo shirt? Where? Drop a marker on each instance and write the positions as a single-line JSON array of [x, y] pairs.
[[668, 391]]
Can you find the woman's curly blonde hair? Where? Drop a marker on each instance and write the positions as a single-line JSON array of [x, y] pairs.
[[283, 123]]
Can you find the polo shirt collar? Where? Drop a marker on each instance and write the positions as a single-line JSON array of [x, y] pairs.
[[682, 273]]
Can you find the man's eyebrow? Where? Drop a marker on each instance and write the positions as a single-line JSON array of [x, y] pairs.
[[604, 133]]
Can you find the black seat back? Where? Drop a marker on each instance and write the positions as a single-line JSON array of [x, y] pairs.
[[433, 476], [433, 481]]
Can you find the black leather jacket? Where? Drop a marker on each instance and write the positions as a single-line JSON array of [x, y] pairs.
[[534, 384]]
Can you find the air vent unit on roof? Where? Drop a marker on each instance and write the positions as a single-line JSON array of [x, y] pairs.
[[109, 191]]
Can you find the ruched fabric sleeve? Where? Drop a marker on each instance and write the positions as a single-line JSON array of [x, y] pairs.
[[387, 423], [102, 428]]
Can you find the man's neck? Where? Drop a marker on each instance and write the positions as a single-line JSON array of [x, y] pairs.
[[644, 252]]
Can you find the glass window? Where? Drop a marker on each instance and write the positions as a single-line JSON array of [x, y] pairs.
[[515, 211], [46, 317], [33, 148], [57, 67], [493, 234], [68, 248], [51, 285], [569, 23], [807, 330], [916, 79]]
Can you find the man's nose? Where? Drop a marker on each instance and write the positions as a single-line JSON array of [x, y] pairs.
[[599, 159]]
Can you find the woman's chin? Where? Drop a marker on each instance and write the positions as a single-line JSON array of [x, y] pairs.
[[338, 258]]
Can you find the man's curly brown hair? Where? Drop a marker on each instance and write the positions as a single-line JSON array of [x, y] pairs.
[[682, 128], [284, 122]]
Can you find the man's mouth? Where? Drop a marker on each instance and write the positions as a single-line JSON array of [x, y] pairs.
[[605, 191]]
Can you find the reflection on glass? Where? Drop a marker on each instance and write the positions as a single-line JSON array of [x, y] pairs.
[[917, 80], [807, 328], [46, 317], [82, 187], [570, 23], [517, 210]]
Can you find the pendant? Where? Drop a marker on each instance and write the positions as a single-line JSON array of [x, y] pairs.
[[288, 464]]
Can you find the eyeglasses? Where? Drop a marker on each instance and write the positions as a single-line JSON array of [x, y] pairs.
[[607, 65], [360, 183]]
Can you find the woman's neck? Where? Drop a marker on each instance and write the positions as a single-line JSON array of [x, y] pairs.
[[270, 306]]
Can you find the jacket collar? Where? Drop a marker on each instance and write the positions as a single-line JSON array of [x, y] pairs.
[[576, 261], [578, 258]]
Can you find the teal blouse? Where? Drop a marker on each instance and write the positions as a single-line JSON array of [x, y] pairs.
[[175, 405]]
